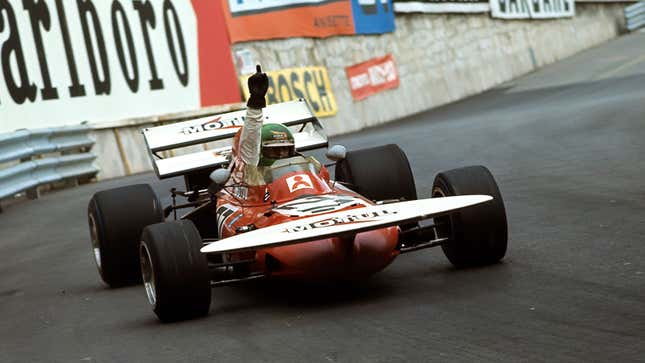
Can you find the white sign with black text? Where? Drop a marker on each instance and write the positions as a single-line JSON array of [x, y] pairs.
[[75, 60], [532, 9], [441, 6]]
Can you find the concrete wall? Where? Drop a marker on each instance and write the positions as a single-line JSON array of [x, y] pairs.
[[441, 58]]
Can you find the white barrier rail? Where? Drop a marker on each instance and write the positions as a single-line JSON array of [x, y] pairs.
[[30, 163], [635, 16]]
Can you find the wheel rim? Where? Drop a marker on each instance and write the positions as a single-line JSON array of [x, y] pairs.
[[148, 274], [96, 247], [437, 193]]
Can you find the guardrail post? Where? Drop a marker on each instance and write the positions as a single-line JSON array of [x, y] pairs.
[[32, 193], [72, 182]]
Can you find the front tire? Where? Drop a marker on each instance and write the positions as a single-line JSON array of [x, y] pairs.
[[477, 235], [378, 173], [175, 273], [116, 219]]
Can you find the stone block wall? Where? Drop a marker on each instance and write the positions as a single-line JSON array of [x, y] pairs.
[[441, 58]]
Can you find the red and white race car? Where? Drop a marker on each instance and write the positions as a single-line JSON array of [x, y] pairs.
[[296, 223]]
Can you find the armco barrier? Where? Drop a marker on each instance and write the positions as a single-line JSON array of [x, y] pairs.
[[28, 154], [635, 16]]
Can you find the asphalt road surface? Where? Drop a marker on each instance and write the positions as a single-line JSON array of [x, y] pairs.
[[567, 146]]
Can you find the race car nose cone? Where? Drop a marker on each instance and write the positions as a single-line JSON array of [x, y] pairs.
[[350, 257]]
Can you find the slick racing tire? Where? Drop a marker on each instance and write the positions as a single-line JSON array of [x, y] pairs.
[[116, 219], [477, 235], [378, 173], [175, 273]]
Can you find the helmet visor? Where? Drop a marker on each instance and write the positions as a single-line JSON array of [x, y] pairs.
[[278, 151]]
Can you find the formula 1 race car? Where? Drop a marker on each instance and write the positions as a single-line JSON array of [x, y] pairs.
[[297, 223]]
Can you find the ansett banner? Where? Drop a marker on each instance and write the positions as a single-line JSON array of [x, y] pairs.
[[310, 83], [67, 61], [532, 9], [441, 6], [262, 19]]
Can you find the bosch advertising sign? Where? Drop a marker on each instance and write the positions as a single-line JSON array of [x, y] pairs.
[[311, 83], [67, 61]]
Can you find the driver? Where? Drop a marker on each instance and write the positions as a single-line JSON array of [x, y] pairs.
[[277, 143], [259, 145]]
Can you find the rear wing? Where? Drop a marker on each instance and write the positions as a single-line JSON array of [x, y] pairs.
[[225, 126]]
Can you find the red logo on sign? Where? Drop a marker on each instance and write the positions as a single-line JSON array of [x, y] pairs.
[[375, 75]]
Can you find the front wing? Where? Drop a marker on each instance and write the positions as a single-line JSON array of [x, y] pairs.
[[343, 223]]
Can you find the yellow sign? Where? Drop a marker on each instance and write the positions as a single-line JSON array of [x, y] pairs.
[[310, 83]]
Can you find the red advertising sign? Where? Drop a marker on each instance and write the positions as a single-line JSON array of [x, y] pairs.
[[375, 75], [217, 78]]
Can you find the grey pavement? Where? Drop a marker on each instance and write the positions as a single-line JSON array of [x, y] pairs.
[[566, 145]]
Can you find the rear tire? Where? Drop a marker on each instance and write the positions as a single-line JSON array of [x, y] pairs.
[[175, 273], [116, 219], [478, 235], [378, 173]]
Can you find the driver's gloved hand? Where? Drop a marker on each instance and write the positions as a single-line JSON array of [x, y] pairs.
[[258, 86]]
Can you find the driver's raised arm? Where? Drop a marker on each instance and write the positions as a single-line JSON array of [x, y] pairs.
[[252, 131]]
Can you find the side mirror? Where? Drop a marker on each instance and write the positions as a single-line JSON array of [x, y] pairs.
[[336, 153], [219, 178]]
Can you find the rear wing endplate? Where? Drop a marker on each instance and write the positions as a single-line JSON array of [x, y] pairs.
[[221, 127]]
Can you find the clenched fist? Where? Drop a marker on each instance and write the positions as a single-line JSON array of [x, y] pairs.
[[258, 86]]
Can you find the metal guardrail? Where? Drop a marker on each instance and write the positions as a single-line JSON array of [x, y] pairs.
[[635, 16], [35, 166]]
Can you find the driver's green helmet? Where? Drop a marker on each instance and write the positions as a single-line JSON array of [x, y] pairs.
[[276, 137]]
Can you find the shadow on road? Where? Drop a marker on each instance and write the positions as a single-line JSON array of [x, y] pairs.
[[440, 284]]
